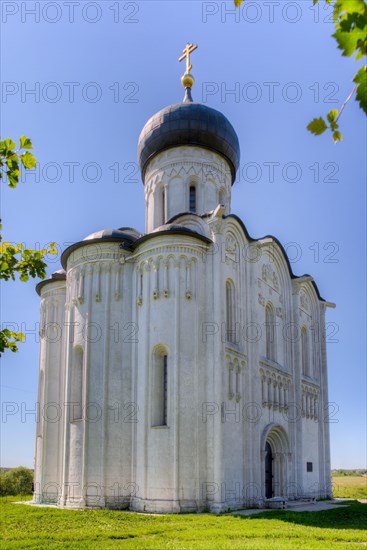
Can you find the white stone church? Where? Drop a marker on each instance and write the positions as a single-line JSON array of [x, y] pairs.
[[183, 369]]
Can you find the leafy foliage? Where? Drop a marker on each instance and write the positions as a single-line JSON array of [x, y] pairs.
[[11, 159], [16, 481], [361, 80], [350, 473], [9, 339], [350, 17], [317, 126], [15, 259]]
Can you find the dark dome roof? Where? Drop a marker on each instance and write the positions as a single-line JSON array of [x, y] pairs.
[[125, 236], [59, 275], [108, 234], [172, 229], [189, 123], [130, 231]]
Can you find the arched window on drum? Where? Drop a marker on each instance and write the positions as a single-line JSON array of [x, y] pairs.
[[270, 331], [231, 336]]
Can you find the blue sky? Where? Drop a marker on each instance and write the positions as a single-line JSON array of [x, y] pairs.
[[99, 70]]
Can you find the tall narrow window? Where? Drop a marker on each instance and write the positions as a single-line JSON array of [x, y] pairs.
[[192, 200], [76, 393], [163, 206], [270, 333], [164, 390], [160, 388], [230, 313], [304, 351]]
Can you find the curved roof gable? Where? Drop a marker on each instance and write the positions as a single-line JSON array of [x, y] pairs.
[[279, 244]]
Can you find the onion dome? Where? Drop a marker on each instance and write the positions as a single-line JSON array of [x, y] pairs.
[[189, 123]]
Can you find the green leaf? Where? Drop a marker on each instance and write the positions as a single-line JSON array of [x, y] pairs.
[[28, 160], [352, 21], [337, 136], [360, 54], [334, 126], [25, 143], [348, 6], [13, 178], [317, 126], [348, 41], [361, 95], [12, 163], [333, 115], [7, 145]]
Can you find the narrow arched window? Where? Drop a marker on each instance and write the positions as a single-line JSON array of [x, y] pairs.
[[230, 313], [159, 388], [192, 198], [76, 394], [270, 333], [163, 206], [304, 352]]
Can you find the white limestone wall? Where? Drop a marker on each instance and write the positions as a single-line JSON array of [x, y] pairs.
[[225, 399], [227, 431], [174, 171], [50, 394], [312, 426], [310, 437], [325, 411], [170, 281], [97, 466], [270, 405]]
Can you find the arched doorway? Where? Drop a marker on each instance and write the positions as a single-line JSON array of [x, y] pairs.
[[268, 471], [275, 456]]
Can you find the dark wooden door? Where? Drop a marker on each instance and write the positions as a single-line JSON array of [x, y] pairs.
[[268, 471]]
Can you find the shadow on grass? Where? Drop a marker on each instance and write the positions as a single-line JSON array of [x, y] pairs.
[[352, 517]]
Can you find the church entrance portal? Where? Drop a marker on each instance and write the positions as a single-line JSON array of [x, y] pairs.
[[275, 458]]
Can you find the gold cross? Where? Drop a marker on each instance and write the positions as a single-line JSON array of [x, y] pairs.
[[186, 54]]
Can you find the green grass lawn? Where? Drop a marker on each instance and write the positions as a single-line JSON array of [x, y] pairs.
[[38, 527], [349, 486]]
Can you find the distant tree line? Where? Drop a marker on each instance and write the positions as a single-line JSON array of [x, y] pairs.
[[16, 481], [341, 473]]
